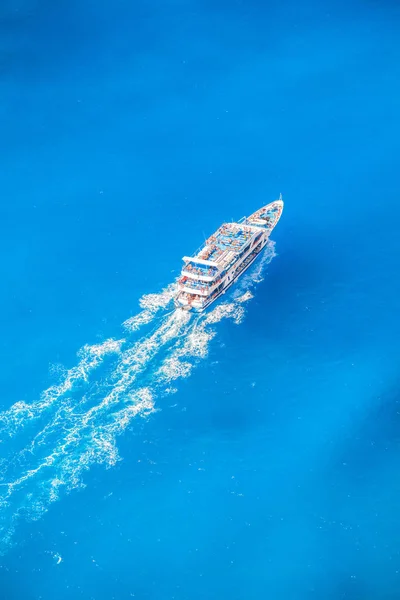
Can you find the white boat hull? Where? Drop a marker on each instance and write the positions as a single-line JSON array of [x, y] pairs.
[[224, 257]]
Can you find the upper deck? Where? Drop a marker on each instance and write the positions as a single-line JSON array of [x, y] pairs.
[[230, 240], [219, 250]]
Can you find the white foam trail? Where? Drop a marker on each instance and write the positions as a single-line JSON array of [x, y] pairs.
[[20, 413], [245, 298], [196, 342], [134, 323], [135, 360], [96, 442], [82, 431], [63, 469], [255, 275], [173, 368], [91, 356], [151, 304], [83, 424], [131, 363], [155, 302], [139, 402]]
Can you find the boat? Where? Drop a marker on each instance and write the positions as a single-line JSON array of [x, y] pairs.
[[224, 257]]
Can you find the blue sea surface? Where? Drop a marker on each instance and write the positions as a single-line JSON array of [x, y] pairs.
[[249, 452]]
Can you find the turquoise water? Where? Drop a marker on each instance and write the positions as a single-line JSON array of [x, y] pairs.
[[248, 452]]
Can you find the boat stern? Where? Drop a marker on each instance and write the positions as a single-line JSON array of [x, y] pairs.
[[189, 302]]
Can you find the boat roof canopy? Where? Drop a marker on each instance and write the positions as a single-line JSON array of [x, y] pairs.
[[200, 261]]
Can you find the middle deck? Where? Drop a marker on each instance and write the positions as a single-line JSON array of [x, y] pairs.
[[219, 251]]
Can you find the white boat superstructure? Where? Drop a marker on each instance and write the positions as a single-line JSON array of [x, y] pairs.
[[224, 257]]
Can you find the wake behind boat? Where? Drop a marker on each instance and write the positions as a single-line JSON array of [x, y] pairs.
[[224, 257]]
